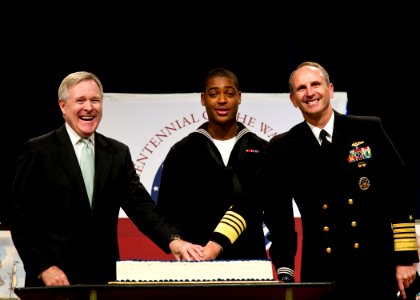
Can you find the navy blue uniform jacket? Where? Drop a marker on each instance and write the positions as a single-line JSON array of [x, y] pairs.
[[356, 206], [197, 189]]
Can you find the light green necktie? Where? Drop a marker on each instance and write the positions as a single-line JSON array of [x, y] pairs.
[[87, 164]]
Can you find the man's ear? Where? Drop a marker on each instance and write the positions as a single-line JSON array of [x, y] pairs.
[[293, 100]]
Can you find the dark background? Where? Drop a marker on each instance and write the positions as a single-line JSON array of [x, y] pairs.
[[168, 48]]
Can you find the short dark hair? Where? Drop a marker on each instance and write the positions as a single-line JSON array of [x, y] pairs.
[[221, 72]]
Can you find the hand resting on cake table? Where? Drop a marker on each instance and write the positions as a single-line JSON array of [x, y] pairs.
[[183, 250]]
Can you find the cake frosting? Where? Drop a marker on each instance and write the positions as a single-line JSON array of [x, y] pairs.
[[210, 270]]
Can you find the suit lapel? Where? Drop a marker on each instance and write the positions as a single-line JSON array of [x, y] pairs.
[[104, 155]]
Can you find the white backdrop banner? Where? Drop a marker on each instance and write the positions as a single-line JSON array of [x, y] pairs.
[[151, 123]]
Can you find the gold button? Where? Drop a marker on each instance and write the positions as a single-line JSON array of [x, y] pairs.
[[353, 224], [328, 250], [325, 206], [350, 201], [326, 228], [356, 245]]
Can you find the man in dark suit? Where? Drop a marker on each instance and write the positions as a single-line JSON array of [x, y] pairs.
[[61, 235], [354, 197]]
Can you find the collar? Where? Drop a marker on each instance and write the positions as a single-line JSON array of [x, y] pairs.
[[75, 138], [329, 128]]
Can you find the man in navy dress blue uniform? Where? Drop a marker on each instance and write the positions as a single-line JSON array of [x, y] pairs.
[[354, 195]]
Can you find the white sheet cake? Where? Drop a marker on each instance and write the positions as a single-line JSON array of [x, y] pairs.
[[215, 270]]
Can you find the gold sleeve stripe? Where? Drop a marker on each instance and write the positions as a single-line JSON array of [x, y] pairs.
[[404, 237], [227, 231], [231, 226], [405, 230], [405, 245], [237, 218], [400, 225]]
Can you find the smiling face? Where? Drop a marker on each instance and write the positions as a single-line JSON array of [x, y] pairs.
[[83, 108], [311, 93], [221, 99]]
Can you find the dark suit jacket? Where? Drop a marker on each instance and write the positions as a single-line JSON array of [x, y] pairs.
[[52, 222], [348, 200]]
